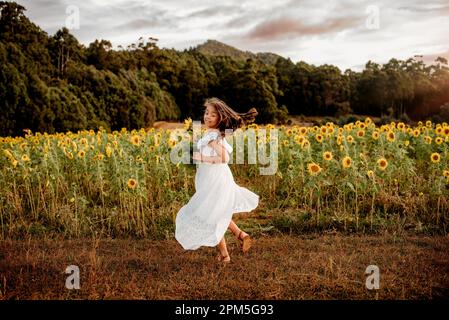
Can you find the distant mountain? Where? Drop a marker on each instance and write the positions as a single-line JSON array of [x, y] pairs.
[[217, 48]]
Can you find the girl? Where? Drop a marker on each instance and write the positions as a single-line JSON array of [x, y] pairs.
[[203, 221]]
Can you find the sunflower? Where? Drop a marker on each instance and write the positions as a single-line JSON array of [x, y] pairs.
[[323, 130], [416, 133], [382, 163], [81, 154], [187, 123], [350, 139], [25, 158], [285, 143], [303, 130], [370, 173], [429, 124], [108, 151], [299, 139], [305, 144], [135, 140], [171, 143], [406, 143], [446, 173], [435, 157], [313, 168], [132, 183], [446, 131], [368, 121], [361, 133], [152, 148], [401, 125], [327, 155], [391, 136], [438, 140], [428, 139], [347, 162], [339, 140], [83, 141], [69, 155], [319, 138]]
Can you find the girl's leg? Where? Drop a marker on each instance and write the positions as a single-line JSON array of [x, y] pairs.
[[242, 236], [224, 254], [236, 230]]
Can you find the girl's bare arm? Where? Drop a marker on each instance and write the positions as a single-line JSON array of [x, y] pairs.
[[222, 156]]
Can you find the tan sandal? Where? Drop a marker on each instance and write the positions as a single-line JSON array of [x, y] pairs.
[[245, 241]]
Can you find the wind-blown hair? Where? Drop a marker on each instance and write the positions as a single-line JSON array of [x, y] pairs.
[[228, 118]]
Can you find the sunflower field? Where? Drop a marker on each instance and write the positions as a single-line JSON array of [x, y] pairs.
[[358, 177]]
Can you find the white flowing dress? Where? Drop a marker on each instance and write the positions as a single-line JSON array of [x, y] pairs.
[[203, 221]]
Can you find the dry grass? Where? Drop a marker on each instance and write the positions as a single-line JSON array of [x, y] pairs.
[[277, 267]]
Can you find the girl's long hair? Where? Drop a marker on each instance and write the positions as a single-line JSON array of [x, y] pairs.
[[230, 119]]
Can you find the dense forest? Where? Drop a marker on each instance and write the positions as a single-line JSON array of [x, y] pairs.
[[54, 83]]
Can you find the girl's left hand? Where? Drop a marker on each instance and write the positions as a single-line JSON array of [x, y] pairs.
[[196, 156]]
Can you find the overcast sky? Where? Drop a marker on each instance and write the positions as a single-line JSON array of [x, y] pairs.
[[343, 33]]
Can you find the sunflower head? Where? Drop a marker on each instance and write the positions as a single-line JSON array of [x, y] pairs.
[[446, 173], [382, 163], [132, 183], [416, 133], [446, 131], [347, 162], [81, 154], [135, 140], [391, 136], [435, 157], [313, 168], [327, 156]]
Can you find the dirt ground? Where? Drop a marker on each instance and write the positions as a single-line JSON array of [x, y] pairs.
[[276, 267]]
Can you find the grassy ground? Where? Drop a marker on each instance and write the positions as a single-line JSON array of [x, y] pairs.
[[277, 267]]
